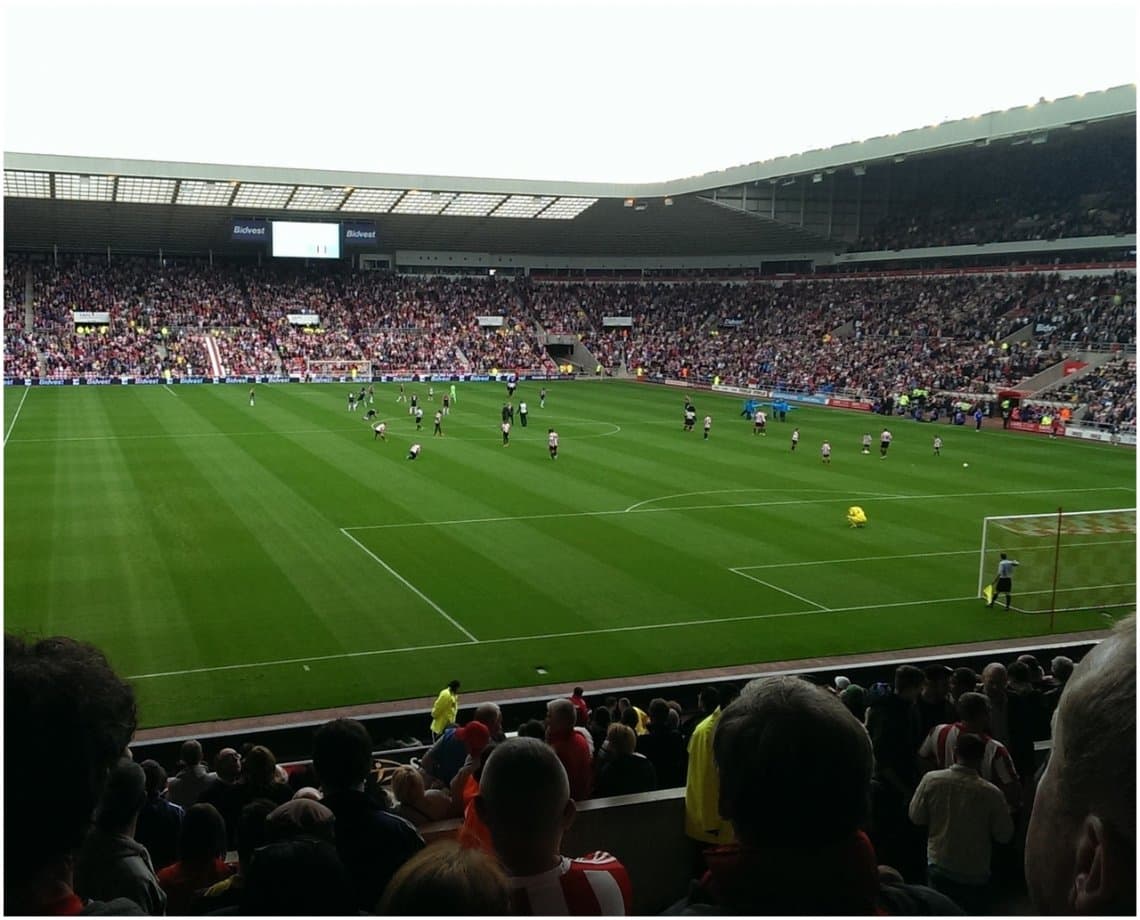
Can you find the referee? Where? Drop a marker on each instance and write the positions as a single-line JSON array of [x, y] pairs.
[[1003, 584]]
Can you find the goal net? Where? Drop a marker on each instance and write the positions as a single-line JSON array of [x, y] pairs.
[[342, 367], [1069, 560]]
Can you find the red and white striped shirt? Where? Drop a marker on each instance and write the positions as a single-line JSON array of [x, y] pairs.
[[941, 746], [591, 886]]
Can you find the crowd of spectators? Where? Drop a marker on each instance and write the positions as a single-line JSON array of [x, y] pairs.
[[1108, 393], [1031, 193], [801, 796], [870, 335]]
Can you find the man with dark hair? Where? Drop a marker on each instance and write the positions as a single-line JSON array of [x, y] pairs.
[[704, 825], [963, 680], [524, 800], [940, 747], [895, 727], [191, 780], [1026, 717], [159, 823], [580, 705], [111, 863], [251, 834], [372, 843], [795, 772], [964, 815], [63, 702], [664, 747], [445, 710], [1080, 851], [934, 706]]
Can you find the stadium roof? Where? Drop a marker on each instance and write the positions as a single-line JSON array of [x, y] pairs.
[[145, 205]]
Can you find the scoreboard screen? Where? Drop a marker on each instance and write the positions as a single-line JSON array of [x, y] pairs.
[[296, 240]]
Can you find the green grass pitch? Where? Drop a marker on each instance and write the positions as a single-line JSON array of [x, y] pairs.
[[236, 561]]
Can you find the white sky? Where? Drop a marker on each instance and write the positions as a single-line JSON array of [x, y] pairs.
[[620, 91]]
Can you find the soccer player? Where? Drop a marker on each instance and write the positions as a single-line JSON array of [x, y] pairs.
[[351, 402], [795, 438], [884, 443], [512, 382], [453, 399], [759, 423], [825, 452], [522, 413], [552, 443], [431, 394], [438, 418], [937, 446], [369, 415], [1003, 583], [413, 404], [867, 443], [363, 395], [371, 395], [505, 413], [690, 417], [542, 398], [506, 429], [511, 412], [419, 419], [378, 431], [402, 397], [708, 425], [446, 404], [251, 396], [414, 451]]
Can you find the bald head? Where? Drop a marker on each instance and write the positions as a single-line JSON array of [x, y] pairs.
[[560, 715], [994, 677], [1080, 854], [490, 715]]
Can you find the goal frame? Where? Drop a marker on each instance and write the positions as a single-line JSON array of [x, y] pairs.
[[1060, 516], [330, 367]]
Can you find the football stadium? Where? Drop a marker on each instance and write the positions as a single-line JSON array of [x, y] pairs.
[[296, 445]]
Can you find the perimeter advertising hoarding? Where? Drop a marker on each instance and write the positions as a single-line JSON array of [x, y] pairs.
[[359, 233], [249, 230]]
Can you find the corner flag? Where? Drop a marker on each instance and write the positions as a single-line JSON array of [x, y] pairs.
[[988, 593]]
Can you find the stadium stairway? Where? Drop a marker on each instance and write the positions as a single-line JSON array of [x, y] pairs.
[[1052, 376]]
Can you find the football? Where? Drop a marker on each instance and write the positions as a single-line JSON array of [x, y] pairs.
[[965, 464]]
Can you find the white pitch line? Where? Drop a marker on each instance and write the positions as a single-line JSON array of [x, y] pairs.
[[766, 584], [27, 390], [167, 387], [952, 552], [807, 501], [637, 505], [178, 437], [416, 591], [561, 635]]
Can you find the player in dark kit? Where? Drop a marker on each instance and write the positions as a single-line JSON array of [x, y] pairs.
[[419, 419], [412, 405], [251, 396], [438, 419], [446, 404], [351, 402], [542, 398], [369, 415], [511, 385], [690, 417]]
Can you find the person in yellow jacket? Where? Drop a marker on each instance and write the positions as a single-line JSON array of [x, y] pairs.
[[703, 823], [445, 710], [856, 516]]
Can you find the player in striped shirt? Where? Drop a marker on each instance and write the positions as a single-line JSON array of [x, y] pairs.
[[941, 744], [937, 446], [438, 418], [414, 451], [884, 442], [825, 452], [867, 443], [708, 425], [506, 429], [759, 423], [378, 431], [795, 438], [552, 443], [524, 799]]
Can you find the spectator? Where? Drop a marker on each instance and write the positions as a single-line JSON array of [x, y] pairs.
[[63, 702], [300, 818], [599, 726], [894, 724], [964, 814], [372, 843], [795, 773], [1060, 669], [963, 680], [229, 892], [704, 824], [1080, 851], [159, 823], [258, 780], [940, 747], [1026, 722], [580, 705], [457, 743], [625, 770], [415, 804], [111, 863], [663, 745], [525, 801], [201, 863], [641, 725], [447, 880], [934, 706], [571, 747], [445, 710], [995, 679], [854, 698], [191, 780], [298, 877], [533, 728], [221, 793]]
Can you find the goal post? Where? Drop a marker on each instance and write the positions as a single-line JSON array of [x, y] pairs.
[[1068, 560]]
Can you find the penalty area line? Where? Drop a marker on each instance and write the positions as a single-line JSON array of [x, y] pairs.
[[8, 434], [416, 591], [768, 584]]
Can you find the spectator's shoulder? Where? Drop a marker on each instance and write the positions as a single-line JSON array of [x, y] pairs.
[[916, 901], [116, 907]]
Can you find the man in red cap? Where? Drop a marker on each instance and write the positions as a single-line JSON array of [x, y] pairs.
[[445, 758]]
